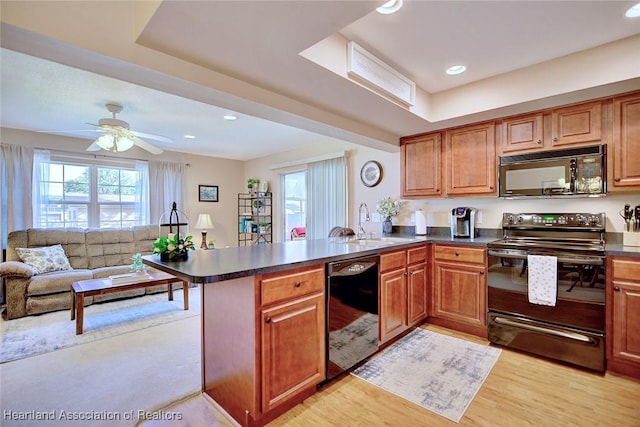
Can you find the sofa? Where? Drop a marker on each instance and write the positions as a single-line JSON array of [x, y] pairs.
[[91, 254]]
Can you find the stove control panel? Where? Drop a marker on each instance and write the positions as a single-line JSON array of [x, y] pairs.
[[554, 220]]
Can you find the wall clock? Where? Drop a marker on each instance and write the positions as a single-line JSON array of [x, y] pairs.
[[371, 173]]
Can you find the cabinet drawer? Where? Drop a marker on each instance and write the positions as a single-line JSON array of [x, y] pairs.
[[393, 260], [626, 270], [458, 253], [415, 255], [282, 286]]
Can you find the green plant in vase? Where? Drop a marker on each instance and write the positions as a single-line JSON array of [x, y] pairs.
[[173, 247]]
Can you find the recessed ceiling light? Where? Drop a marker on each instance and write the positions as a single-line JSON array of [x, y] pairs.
[[456, 69], [392, 6], [230, 117], [190, 136], [633, 12]]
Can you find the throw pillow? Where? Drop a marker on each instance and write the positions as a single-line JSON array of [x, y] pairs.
[[45, 259]]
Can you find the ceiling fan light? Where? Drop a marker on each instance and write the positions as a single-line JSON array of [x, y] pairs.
[[105, 141], [123, 143], [634, 11], [389, 7]]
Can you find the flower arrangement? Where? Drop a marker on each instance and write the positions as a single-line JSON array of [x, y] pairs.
[[388, 207], [173, 246]]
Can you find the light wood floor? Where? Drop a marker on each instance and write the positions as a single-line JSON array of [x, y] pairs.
[[520, 391]]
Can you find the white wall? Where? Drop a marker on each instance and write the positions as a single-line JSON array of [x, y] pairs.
[[228, 175]]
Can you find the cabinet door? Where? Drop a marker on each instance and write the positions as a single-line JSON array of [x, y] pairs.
[[417, 293], [626, 318], [393, 304], [626, 142], [420, 165], [293, 349], [522, 133], [460, 293], [471, 160], [576, 124]]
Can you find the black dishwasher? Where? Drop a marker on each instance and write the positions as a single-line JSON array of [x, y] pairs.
[[352, 313]]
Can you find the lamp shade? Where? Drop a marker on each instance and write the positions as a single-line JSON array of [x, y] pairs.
[[105, 141], [123, 143], [204, 222]]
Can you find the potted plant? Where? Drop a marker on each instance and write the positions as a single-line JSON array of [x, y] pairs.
[[252, 183], [262, 227], [173, 247], [388, 208]]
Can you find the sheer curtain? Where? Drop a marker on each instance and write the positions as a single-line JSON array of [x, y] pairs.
[[326, 196], [165, 187], [39, 174], [16, 166], [142, 193]]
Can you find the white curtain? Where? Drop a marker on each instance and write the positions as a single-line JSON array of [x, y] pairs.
[[326, 196], [40, 173], [165, 187], [16, 166], [142, 193]]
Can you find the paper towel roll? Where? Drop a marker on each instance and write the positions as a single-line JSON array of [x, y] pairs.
[[421, 223]]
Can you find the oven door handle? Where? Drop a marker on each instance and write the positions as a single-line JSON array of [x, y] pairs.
[[563, 259], [563, 334]]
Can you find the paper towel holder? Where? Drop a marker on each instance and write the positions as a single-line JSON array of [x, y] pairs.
[[421, 228]]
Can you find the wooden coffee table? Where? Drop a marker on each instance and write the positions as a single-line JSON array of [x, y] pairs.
[[91, 287]]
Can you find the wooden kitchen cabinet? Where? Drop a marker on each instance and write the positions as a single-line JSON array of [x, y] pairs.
[[264, 342], [470, 154], [577, 124], [420, 166], [403, 291], [623, 315], [626, 143], [564, 127], [459, 295]]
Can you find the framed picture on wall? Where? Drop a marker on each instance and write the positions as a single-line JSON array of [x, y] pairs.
[[207, 193]]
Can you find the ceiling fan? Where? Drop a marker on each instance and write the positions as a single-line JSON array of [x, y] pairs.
[[117, 137]]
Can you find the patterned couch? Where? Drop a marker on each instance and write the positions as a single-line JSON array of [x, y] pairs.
[[91, 253]]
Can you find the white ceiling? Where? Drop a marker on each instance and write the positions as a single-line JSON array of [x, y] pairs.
[[173, 79]]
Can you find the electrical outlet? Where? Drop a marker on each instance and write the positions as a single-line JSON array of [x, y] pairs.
[[375, 217], [479, 217]]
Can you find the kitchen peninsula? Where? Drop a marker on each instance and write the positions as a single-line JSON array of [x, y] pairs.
[[263, 319]]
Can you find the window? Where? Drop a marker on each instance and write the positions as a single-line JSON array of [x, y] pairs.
[[295, 201], [77, 192]]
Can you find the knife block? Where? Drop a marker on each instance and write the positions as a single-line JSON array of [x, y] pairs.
[[630, 238]]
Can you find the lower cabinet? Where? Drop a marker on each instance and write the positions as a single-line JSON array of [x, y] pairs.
[[403, 291], [264, 343], [459, 289], [623, 315]]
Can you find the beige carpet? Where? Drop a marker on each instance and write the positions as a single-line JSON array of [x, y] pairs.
[[123, 380]]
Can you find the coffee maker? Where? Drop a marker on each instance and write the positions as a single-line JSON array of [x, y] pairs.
[[463, 222]]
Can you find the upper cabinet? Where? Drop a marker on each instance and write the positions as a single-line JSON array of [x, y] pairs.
[[470, 156], [624, 156], [576, 124], [420, 165], [547, 130]]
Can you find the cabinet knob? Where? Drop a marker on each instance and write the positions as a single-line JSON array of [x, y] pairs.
[[616, 179], [457, 254], [616, 288], [555, 139], [298, 284], [539, 142], [482, 273], [267, 320]]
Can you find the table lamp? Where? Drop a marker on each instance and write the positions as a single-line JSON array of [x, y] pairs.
[[204, 222]]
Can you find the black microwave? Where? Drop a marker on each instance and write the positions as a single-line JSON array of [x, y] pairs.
[[569, 172]]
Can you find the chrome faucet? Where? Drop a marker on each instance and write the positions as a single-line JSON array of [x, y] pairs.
[[366, 218]]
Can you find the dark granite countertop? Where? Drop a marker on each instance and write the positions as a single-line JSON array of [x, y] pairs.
[[209, 266]]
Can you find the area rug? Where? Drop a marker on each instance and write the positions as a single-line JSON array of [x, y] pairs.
[[33, 335], [438, 372], [354, 342]]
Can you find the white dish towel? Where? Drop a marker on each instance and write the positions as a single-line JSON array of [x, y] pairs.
[[542, 279]]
